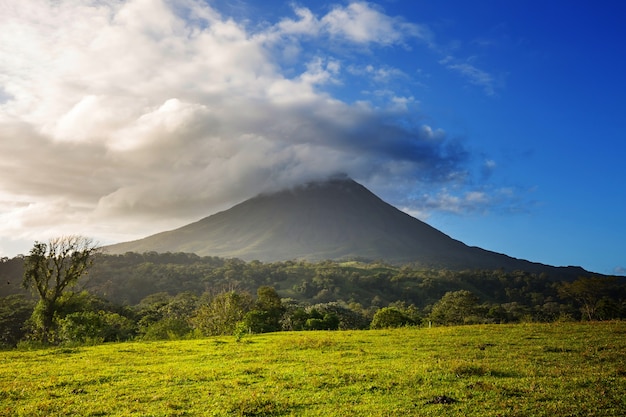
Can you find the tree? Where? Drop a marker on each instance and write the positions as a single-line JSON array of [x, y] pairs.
[[14, 311], [390, 317], [268, 312], [328, 321], [52, 268], [589, 292], [165, 317], [95, 327], [455, 307], [222, 314], [338, 316]]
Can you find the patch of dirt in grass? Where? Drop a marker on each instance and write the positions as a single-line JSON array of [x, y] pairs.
[[442, 399], [553, 349], [484, 346]]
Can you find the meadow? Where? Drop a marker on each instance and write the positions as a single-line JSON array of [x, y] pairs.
[[559, 369]]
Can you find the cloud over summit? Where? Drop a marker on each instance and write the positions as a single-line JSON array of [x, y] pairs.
[[113, 113]]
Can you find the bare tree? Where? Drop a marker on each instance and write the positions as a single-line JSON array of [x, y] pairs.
[[52, 268]]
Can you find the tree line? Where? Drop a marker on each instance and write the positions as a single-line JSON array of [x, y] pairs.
[[78, 295]]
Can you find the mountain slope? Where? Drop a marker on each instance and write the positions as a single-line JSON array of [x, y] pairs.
[[335, 219]]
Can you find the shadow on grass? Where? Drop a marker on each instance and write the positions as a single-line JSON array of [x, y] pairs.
[[260, 406], [468, 370]]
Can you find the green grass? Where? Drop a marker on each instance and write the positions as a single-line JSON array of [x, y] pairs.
[[551, 370]]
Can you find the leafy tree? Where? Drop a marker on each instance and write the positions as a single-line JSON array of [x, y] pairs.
[[95, 327], [168, 328], [295, 315], [346, 317], [11, 273], [456, 307], [329, 321], [52, 268], [257, 321], [75, 302], [151, 310], [390, 317], [590, 293], [327, 316], [14, 312], [222, 314], [80, 327], [165, 317], [411, 311], [607, 309], [268, 300], [268, 312]]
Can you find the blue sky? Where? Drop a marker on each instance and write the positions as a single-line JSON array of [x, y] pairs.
[[500, 123]]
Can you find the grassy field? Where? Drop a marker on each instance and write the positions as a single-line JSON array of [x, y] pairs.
[[565, 369]]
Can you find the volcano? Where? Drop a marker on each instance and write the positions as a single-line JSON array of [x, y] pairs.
[[337, 219]]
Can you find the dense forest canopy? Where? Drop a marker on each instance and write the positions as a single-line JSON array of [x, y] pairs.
[[166, 295]]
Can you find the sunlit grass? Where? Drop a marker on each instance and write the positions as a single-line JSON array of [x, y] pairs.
[[513, 370]]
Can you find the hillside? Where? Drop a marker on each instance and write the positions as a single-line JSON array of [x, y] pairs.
[[335, 219]]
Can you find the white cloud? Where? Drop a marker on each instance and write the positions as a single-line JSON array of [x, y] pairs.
[[384, 74], [480, 200], [319, 72], [473, 74], [307, 24], [121, 119], [490, 164], [358, 22]]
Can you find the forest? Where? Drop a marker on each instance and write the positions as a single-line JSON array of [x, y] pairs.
[[154, 296]]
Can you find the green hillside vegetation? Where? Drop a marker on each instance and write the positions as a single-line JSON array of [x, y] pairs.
[[562, 369], [176, 296]]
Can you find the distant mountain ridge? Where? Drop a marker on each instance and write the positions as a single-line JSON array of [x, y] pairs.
[[335, 219]]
